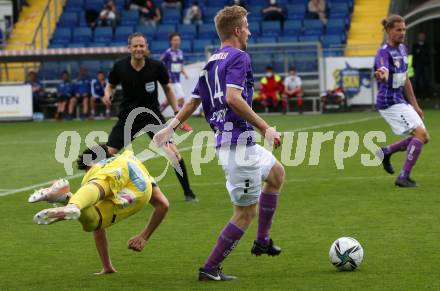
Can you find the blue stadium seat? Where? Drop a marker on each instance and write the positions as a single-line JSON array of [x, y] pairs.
[[129, 18], [329, 40], [308, 38], [98, 44], [56, 45], [186, 46], [292, 27], [188, 31], [68, 19], [254, 28], [313, 27], [118, 43], [103, 34], [288, 38], [209, 13], [62, 35], [82, 34], [171, 16], [148, 31], [163, 31], [270, 28], [74, 6], [266, 39], [339, 7], [92, 66], [200, 44], [50, 71], [206, 31], [94, 4], [159, 46], [122, 33], [71, 66], [77, 45], [296, 11], [106, 66], [335, 26]]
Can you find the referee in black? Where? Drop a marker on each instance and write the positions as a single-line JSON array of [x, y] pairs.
[[139, 76]]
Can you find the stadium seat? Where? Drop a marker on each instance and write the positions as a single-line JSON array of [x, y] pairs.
[[171, 16], [292, 27], [148, 31], [103, 34], [308, 38], [68, 19], [186, 46], [159, 46], [188, 31], [92, 66], [94, 5], [76, 45], [296, 11], [82, 34], [129, 18], [118, 43], [288, 38], [98, 44], [254, 28], [266, 39], [209, 13], [312, 27], [62, 35], [206, 31], [270, 28], [56, 45], [163, 31], [200, 44], [335, 26], [122, 33], [329, 40]]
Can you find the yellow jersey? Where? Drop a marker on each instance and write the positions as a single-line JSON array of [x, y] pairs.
[[128, 178]]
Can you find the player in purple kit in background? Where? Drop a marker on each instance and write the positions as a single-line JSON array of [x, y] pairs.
[[173, 60], [225, 89], [391, 64]]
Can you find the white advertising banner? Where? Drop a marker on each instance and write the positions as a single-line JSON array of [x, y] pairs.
[[16, 102], [354, 76]]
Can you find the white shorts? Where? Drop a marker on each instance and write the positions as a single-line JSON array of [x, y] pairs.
[[402, 118], [178, 90], [245, 167]]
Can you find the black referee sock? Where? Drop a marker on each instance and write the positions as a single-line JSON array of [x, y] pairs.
[[184, 179]]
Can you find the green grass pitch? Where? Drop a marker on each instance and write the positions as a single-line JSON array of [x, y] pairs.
[[398, 228]]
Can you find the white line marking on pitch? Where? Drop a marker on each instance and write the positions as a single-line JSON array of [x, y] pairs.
[[326, 125]]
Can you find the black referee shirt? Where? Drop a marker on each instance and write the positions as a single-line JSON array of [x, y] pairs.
[[139, 88]]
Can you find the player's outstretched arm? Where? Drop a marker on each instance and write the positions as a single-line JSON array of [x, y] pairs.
[[102, 247], [240, 107], [165, 134], [161, 205], [409, 93], [171, 97]]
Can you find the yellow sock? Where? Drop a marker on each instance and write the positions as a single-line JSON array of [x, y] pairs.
[[89, 194]]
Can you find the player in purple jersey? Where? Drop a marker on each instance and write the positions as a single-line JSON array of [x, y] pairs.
[[173, 60], [225, 89], [391, 66]]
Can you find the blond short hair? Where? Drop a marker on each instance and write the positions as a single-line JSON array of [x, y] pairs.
[[389, 21], [228, 19]]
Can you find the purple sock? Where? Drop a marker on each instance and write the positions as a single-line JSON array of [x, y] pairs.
[[266, 210], [412, 154], [399, 146], [226, 242]]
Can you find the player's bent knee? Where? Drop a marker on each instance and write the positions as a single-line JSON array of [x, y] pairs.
[[276, 176]]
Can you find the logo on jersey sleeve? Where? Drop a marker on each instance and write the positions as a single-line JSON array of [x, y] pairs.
[[150, 87]]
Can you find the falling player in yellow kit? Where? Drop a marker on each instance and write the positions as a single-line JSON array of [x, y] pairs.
[[113, 188]]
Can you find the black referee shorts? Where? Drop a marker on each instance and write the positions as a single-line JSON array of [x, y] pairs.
[[116, 138]]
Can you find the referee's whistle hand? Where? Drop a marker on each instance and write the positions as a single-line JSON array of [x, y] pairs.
[[107, 100]]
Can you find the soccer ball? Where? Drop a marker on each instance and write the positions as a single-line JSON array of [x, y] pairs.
[[346, 254]]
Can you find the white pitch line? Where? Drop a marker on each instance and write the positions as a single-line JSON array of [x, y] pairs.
[[184, 149]]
